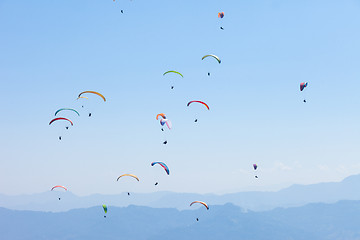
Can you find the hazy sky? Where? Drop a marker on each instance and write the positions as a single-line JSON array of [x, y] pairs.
[[50, 51]]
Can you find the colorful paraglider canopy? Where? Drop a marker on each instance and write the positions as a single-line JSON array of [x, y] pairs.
[[161, 115], [58, 186], [220, 14], [167, 121], [173, 72], [255, 166], [211, 55], [200, 103], [303, 85], [163, 165], [130, 175], [70, 109], [99, 94], [82, 97], [60, 118], [205, 205], [105, 208]]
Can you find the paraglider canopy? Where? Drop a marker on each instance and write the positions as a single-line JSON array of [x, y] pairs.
[[303, 85], [161, 115], [220, 14], [255, 166], [167, 122], [130, 175], [70, 109], [93, 92], [60, 118], [203, 203], [105, 208], [163, 165], [173, 72], [212, 55], [58, 186], [198, 102]]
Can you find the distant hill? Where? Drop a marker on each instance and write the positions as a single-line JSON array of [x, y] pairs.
[[314, 221], [296, 195]]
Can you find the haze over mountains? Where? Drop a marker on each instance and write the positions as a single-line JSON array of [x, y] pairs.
[[296, 195], [314, 221]]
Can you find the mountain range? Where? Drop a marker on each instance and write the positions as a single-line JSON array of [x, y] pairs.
[[313, 221], [293, 196]]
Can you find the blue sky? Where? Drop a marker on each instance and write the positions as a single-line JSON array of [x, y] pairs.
[[53, 50]]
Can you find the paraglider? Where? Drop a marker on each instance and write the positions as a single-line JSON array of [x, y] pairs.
[[207, 106], [255, 166], [162, 165], [129, 175], [121, 11], [165, 142], [172, 71], [61, 118], [302, 86], [93, 92], [58, 186], [221, 15], [200, 202], [105, 209], [211, 55]]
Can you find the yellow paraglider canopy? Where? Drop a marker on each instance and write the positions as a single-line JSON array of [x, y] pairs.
[[99, 94], [130, 175]]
